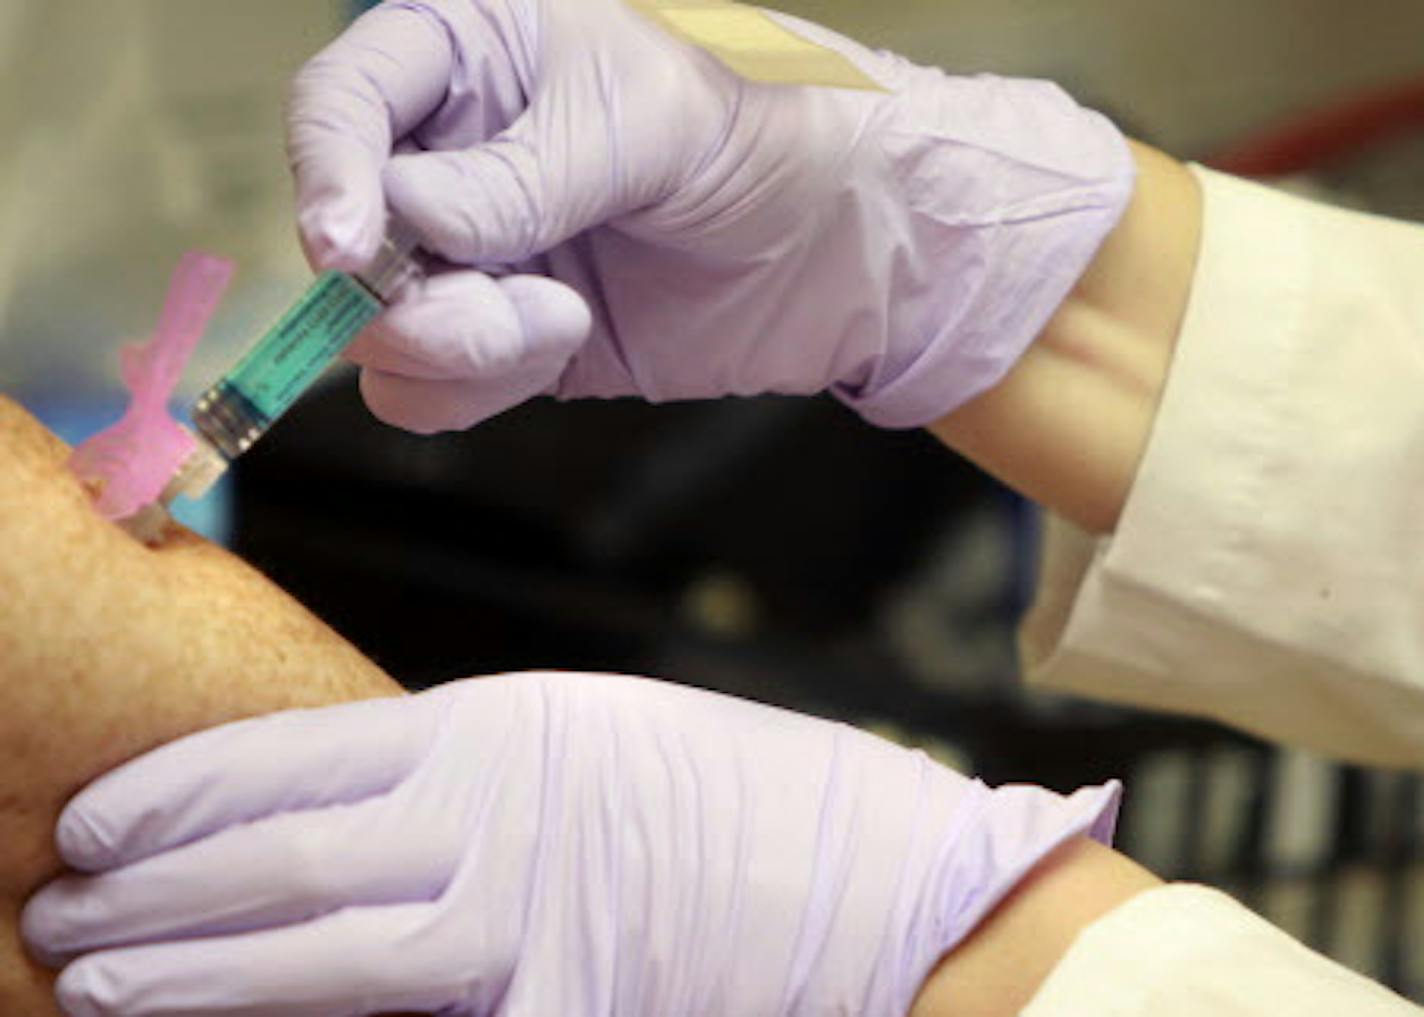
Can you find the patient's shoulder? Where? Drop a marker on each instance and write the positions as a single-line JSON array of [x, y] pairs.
[[38, 491], [25, 442], [48, 527]]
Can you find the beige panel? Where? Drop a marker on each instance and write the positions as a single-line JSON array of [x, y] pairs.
[[1190, 74]]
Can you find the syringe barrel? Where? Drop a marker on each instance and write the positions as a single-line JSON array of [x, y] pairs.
[[394, 264], [294, 353]]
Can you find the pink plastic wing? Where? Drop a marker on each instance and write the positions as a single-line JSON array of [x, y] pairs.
[[133, 460]]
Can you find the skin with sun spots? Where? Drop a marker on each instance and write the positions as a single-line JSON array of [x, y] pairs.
[[109, 648]]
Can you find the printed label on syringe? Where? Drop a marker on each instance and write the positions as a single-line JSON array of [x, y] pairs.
[[296, 351]]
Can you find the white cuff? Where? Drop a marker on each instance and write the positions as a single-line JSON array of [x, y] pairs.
[[1187, 951], [1268, 568]]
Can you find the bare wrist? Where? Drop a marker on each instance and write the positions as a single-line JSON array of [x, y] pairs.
[[1068, 426]]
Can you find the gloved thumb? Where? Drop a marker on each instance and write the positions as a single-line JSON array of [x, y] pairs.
[[508, 199], [463, 347]]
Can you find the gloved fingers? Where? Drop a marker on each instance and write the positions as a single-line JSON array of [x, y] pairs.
[[465, 347], [346, 108], [481, 204], [361, 960], [243, 771], [281, 870], [532, 186], [459, 324], [434, 407]]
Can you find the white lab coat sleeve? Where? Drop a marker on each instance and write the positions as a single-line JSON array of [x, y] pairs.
[[1184, 951], [1268, 566]]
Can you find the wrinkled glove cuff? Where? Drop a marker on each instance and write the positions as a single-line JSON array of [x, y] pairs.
[[994, 234]]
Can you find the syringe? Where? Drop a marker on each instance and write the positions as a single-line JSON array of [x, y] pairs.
[[240, 407]]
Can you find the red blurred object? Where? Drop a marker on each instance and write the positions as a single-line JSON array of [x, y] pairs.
[[1328, 135]]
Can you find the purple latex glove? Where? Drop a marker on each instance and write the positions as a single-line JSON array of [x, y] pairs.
[[531, 845], [717, 237]]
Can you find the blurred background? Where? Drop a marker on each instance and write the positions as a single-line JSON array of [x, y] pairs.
[[773, 548]]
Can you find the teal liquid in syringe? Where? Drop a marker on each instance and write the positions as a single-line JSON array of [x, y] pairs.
[[236, 411]]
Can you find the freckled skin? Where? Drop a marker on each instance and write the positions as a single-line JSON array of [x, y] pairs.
[[109, 648]]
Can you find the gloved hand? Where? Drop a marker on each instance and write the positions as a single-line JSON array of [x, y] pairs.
[[532, 845], [717, 237]]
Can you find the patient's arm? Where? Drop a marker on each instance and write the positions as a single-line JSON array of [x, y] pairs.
[[109, 648]]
